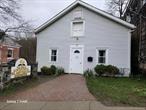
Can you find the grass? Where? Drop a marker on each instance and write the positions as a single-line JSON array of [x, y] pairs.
[[118, 91], [27, 84]]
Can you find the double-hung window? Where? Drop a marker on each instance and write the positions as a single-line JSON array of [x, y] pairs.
[[101, 56], [77, 28], [53, 55], [10, 53]]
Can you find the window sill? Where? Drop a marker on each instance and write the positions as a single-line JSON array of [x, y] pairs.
[[52, 61], [77, 36], [10, 58], [101, 63]]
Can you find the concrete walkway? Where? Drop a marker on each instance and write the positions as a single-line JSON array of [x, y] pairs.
[[78, 105]]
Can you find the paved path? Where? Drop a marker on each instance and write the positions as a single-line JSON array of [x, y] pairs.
[[78, 105], [68, 92], [64, 88]]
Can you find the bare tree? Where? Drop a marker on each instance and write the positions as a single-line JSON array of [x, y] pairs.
[[22, 27], [8, 10], [10, 19], [28, 49], [116, 7]]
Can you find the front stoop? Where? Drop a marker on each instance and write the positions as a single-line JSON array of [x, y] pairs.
[[78, 105]]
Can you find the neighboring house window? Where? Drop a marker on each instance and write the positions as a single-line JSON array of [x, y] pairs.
[[78, 14], [10, 53], [53, 55], [77, 28], [101, 56]]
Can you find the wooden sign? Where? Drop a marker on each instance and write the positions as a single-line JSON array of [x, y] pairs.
[[21, 69]]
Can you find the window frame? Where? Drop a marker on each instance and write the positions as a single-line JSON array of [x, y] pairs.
[[106, 56], [50, 55], [12, 53], [78, 21]]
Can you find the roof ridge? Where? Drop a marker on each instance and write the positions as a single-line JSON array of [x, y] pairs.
[[86, 5], [6, 42]]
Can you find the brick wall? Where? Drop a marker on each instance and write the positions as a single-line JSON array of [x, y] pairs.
[[4, 53]]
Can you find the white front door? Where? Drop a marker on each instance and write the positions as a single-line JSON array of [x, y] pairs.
[[76, 59]]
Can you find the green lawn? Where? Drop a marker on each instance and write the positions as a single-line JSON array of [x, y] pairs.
[[118, 91]]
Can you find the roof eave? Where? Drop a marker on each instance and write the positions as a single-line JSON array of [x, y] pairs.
[[50, 21], [113, 18]]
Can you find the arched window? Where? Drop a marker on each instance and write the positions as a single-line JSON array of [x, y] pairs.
[[76, 51]]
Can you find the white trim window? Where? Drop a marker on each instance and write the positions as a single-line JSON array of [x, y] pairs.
[[53, 55], [10, 53], [77, 28], [102, 56]]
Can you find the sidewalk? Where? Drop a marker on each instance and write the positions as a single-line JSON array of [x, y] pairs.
[[78, 105]]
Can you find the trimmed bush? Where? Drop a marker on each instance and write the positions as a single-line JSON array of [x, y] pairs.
[[100, 69], [59, 71], [45, 70], [53, 69], [88, 73], [112, 70], [108, 70]]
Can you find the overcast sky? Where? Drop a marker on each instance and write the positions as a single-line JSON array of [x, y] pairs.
[[39, 11]]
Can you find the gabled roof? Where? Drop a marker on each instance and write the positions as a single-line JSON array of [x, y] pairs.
[[6, 40], [90, 7]]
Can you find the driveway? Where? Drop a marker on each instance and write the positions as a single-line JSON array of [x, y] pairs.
[[63, 88]]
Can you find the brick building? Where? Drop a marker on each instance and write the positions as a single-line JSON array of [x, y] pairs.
[[9, 49]]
